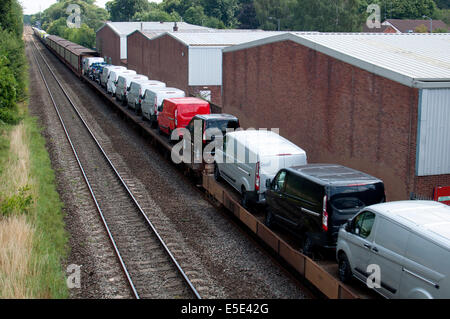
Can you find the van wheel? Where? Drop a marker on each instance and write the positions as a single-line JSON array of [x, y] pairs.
[[244, 197], [308, 246], [268, 221], [345, 272], [216, 172]]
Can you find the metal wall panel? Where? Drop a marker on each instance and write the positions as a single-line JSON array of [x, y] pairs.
[[205, 65], [433, 135], [123, 47]]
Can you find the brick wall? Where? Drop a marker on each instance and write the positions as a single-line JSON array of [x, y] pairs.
[[163, 59], [108, 44], [337, 112]]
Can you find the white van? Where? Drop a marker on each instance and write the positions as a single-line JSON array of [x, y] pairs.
[[250, 157], [406, 243], [88, 61], [105, 73], [123, 85], [137, 90], [153, 98], [113, 77]]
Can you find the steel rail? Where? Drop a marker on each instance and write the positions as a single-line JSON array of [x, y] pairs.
[[123, 183]]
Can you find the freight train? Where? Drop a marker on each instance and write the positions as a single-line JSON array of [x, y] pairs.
[[323, 276]]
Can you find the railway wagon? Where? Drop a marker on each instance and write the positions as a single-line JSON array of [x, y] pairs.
[[70, 53]]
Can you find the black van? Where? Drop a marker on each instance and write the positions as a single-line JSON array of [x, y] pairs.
[[220, 121], [314, 200]]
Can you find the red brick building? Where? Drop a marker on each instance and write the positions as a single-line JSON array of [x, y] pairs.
[[111, 38], [379, 103], [190, 61]]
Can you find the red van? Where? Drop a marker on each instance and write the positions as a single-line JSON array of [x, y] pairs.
[[178, 111]]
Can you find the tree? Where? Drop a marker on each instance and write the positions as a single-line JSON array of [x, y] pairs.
[[421, 29], [54, 21], [268, 11], [224, 10], [8, 85], [124, 10], [84, 35], [406, 9], [154, 15], [13, 49], [246, 15], [443, 4], [195, 15], [11, 17]]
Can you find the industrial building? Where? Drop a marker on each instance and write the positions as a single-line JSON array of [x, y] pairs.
[[379, 103], [191, 61], [111, 38]]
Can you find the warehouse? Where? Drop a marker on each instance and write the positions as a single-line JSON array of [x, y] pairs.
[[111, 38], [191, 61], [379, 103]]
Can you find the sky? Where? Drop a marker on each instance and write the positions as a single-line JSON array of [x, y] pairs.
[[34, 6]]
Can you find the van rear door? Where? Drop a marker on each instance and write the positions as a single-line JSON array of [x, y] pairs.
[[346, 200]]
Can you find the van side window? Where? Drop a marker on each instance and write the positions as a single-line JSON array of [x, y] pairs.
[[293, 186], [280, 181], [363, 224]]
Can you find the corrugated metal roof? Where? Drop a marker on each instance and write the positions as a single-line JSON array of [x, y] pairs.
[[125, 28], [415, 59], [220, 38]]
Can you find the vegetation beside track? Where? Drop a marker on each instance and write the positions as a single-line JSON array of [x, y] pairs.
[[33, 242]]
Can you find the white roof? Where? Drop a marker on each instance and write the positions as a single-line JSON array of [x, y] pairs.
[[413, 59], [220, 38], [426, 217], [125, 28], [164, 89], [265, 143]]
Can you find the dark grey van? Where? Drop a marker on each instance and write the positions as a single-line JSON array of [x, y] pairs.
[[314, 200]]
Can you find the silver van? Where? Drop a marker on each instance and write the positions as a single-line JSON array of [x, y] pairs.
[[137, 90], [249, 157], [88, 61], [123, 85], [153, 98], [105, 73], [112, 79], [400, 249]]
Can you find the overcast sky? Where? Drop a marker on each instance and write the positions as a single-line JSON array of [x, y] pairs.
[[34, 6]]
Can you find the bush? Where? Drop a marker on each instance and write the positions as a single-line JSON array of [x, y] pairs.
[[13, 49], [8, 85], [17, 203], [9, 116]]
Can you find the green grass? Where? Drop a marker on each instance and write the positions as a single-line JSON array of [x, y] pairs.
[[50, 242], [40, 203]]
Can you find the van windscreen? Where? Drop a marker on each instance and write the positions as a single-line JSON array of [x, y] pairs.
[[222, 124], [356, 196]]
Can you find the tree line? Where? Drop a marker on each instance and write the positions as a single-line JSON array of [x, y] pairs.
[[304, 15], [13, 65]]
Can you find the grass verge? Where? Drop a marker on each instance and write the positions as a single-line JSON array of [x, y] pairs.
[[33, 241]]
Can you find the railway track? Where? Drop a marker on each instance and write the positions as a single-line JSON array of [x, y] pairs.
[[150, 268]]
